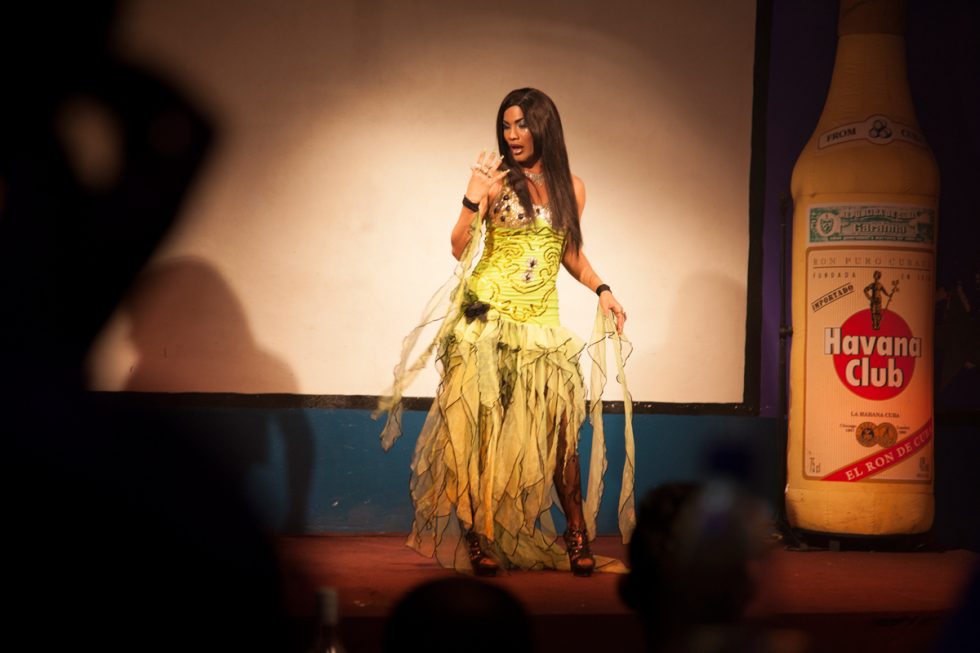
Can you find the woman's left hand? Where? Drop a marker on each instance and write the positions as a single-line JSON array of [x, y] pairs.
[[608, 303]]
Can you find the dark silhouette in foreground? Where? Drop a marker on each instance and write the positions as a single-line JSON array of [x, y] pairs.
[[694, 561], [458, 613], [124, 535]]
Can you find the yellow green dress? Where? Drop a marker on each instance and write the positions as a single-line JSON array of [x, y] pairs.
[[486, 456]]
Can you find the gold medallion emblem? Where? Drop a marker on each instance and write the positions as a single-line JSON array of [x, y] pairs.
[[886, 434], [865, 433]]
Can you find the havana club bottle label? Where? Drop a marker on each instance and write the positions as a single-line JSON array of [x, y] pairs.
[[868, 381]]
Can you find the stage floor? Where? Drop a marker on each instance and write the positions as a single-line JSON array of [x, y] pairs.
[[838, 600]]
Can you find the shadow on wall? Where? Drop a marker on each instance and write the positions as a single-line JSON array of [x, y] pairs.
[[191, 334]]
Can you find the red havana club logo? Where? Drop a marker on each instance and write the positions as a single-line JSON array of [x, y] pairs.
[[874, 350], [873, 364]]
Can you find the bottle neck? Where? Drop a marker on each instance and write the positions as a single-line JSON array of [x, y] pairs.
[[869, 79], [867, 141], [871, 17]]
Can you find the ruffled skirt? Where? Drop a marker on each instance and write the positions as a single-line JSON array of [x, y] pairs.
[[486, 457], [487, 454]]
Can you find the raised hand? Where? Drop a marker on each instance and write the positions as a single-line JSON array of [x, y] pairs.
[[485, 175]]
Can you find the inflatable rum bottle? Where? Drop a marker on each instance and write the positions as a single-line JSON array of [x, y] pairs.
[[865, 192]]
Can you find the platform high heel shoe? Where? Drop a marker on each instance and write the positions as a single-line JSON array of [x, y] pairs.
[[568, 483], [579, 554], [483, 564]]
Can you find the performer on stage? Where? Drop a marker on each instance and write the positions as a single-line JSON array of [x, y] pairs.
[[502, 433]]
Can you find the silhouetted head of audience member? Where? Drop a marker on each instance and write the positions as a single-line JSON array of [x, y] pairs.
[[691, 558], [458, 613]]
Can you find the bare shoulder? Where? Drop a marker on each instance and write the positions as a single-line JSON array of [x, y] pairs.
[[578, 186]]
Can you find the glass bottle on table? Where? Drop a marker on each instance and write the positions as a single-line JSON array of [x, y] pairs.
[[327, 637]]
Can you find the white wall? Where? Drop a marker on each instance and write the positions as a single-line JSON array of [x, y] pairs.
[[320, 226]]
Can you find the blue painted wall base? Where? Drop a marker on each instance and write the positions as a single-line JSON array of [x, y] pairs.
[[322, 470]]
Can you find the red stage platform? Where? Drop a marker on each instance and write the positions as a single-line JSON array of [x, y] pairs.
[[835, 601]]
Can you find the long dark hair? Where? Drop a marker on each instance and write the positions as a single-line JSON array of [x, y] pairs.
[[541, 116]]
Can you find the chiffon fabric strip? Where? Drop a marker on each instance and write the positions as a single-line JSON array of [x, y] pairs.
[[486, 457]]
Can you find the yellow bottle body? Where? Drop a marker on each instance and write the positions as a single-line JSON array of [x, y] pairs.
[[865, 191]]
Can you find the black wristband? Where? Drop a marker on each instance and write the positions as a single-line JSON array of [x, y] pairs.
[[601, 288], [470, 204]]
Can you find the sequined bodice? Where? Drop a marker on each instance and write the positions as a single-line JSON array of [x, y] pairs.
[[521, 256], [507, 211]]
